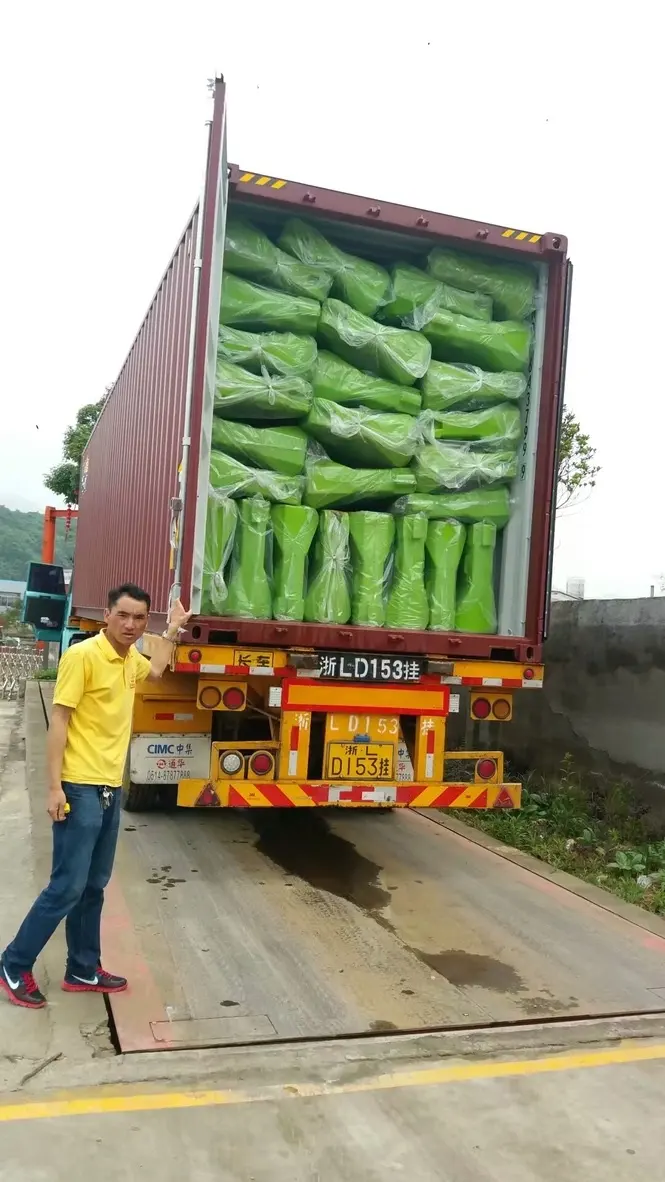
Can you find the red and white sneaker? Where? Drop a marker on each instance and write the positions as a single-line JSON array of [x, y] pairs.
[[99, 982], [21, 989]]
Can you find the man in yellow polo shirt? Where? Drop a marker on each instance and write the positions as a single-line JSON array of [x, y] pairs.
[[88, 739]]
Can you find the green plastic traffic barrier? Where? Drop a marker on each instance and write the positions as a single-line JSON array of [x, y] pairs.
[[243, 395], [448, 387], [371, 537], [249, 252], [248, 305], [362, 438], [249, 588], [476, 608], [221, 520], [439, 466], [270, 352], [397, 354], [495, 345], [327, 483], [279, 449], [444, 545], [478, 504], [360, 283], [496, 425], [415, 296], [511, 288], [337, 381], [407, 605], [328, 600], [293, 528], [234, 479]]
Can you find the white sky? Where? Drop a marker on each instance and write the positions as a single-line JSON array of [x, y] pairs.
[[543, 116]]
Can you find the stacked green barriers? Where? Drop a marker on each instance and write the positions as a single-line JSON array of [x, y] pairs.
[[365, 435]]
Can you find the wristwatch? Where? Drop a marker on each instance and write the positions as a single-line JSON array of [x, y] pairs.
[[171, 639]]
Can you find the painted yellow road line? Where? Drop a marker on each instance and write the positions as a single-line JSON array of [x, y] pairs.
[[103, 1102]]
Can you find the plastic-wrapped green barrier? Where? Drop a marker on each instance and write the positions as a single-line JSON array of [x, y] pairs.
[[444, 545], [249, 252], [248, 305], [270, 352], [293, 528], [476, 608], [328, 600], [415, 296], [360, 283], [221, 522], [372, 536], [477, 504], [446, 387], [397, 354], [494, 344], [243, 395], [279, 449], [249, 588], [327, 483], [362, 438], [440, 466], [407, 605], [496, 425], [234, 479], [336, 380], [511, 288]]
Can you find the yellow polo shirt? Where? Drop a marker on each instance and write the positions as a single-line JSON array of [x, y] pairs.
[[98, 685]]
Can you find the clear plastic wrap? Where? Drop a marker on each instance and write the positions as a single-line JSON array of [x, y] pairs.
[[221, 520], [494, 344], [446, 387], [233, 479], [249, 586], [338, 381], [500, 426], [476, 607], [407, 605], [439, 466], [327, 484], [444, 546], [512, 288], [477, 504], [397, 354], [293, 528], [243, 395], [248, 305], [328, 600], [371, 536], [415, 296], [363, 438], [361, 284], [278, 449], [267, 352], [249, 252]]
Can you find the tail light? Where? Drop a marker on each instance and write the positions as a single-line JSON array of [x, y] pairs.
[[528, 675], [233, 698], [486, 769], [230, 762], [210, 697], [480, 708], [194, 656], [501, 709], [261, 764]]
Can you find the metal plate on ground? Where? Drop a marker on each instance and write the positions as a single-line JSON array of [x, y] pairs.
[[214, 1032]]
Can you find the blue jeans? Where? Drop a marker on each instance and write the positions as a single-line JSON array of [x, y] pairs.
[[83, 852]]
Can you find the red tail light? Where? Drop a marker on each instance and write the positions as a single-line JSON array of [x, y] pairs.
[[481, 708], [233, 698], [194, 656], [528, 675], [261, 763], [485, 769]]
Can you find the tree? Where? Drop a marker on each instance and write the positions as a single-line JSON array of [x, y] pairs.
[[63, 479], [577, 467]]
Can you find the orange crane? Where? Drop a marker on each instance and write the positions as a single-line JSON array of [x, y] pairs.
[[51, 516]]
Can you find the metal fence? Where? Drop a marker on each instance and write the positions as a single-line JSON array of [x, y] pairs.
[[17, 664]]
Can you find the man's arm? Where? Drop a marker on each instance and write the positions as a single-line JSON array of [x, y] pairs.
[[55, 750], [162, 646]]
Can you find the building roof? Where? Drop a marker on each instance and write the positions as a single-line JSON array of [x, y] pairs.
[[12, 587]]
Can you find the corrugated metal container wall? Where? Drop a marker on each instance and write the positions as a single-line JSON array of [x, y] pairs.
[[130, 468]]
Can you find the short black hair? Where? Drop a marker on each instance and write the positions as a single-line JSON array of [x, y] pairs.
[[130, 589]]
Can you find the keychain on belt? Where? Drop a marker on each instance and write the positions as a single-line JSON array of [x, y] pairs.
[[105, 796]]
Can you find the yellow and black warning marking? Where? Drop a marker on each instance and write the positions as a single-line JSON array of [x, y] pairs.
[[256, 178], [521, 235]]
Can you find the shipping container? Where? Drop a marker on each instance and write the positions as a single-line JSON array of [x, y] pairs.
[[144, 480]]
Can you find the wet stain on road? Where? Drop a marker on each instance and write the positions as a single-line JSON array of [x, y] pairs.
[[469, 968], [380, 1025]]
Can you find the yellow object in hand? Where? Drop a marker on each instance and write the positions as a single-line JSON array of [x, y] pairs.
[[68, 809]]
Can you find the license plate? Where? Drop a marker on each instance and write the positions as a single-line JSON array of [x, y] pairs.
[[253, 659], [361, 761], [358, 667]]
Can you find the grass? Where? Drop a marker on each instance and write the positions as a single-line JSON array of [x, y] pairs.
[[45, 675], [594, 832]]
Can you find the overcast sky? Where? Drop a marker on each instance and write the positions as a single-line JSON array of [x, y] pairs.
[[544, 116]]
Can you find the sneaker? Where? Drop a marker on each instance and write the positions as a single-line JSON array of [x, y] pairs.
[[100, 982], [21, 989]]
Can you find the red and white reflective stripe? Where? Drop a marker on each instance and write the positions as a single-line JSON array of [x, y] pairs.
[[532, 684], [293, 750], [429, 755], [173, 717], [233, 670], [214, 669], [494, 682]]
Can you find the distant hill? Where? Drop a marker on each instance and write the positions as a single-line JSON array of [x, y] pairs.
[[21, 542]]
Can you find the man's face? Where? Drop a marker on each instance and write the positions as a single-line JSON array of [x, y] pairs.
[[126, 620]]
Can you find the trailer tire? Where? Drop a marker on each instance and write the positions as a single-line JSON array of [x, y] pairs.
[[140, 798]]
